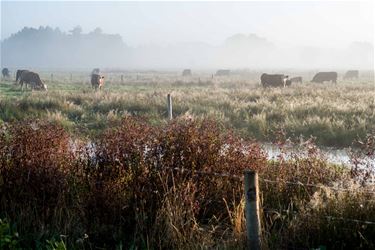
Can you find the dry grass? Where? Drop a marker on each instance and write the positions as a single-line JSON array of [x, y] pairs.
[[127, 192], [336, 114], [123, 191]]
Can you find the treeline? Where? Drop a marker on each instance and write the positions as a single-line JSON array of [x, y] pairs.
[[48, 47]]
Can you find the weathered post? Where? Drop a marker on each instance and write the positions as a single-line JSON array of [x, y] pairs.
[[253, 227], [71, 77], [122, 78], [51, 77], [169, 107]]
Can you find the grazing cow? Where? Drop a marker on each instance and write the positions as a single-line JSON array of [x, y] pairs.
[[351, 74], [95, 71], [223, 72], [297, 79], [5, 72], [325, 77], [18, 74], [97, 81], [274, 80], [32, 79], [186, 72]]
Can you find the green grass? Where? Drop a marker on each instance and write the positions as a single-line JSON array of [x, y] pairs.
[[336, 114]]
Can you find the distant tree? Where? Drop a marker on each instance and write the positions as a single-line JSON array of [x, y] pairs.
[[97, 31], [76, 31], [50, 47]]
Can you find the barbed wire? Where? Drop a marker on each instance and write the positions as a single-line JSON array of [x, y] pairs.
[[329, 217], [298, 183], [226, 175], [351, 220]]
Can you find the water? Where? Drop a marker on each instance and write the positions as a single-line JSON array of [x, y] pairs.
[[333, 155]]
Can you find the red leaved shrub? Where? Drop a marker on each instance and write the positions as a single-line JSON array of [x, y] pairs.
[[35, 169]]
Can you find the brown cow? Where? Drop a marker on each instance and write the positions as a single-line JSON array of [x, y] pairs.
[[223, 72], [95, 71], [33, 79], [279, 80], [97, 81], [325, 77], [18, 74], [297, 79], [5, 73], [351, 74], [186, 72]]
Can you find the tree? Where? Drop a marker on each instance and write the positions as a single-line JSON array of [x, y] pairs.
[[76, 31], [97, 31]]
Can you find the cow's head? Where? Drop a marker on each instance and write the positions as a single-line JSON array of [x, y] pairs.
[[101, 81], [286, 81], [43, 86]]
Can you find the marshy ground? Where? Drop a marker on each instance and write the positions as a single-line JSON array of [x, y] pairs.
[[125, 192]]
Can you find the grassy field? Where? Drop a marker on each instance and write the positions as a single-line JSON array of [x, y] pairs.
[[336, 114], [81, 169]]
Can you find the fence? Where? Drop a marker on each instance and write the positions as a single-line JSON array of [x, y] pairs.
[[253, 206]]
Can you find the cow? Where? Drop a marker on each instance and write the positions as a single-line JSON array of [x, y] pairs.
[[351, 74], [278, 80], [186, 72], [325, 77], [5, 72], [223, 72], [297, 79], [32, 79], [95, 71], [18, 74], [97, 81]]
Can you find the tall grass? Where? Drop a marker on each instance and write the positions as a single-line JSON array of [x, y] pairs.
[[126, 188], [334, 114]]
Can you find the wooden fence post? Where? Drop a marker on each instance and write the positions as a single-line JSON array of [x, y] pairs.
[[169, 107], [51, 77], [71, 77], [122, 78], [253, 227]]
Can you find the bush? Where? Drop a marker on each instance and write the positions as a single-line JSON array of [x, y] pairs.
[[148, 186]]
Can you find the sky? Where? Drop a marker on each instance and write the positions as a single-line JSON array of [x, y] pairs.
[[290, 23]]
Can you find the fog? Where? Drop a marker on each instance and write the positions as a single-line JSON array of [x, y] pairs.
[[197, 35]]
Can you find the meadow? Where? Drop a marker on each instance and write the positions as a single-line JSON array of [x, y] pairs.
[[81, 169], [336, 114]]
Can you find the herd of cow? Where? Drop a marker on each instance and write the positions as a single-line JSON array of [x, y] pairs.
[[33, 80], [280, 80], [267, 80]]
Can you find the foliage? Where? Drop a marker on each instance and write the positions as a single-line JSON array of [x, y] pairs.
[[8, 237]]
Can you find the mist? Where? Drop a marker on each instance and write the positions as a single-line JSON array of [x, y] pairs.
[[196, 35]]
